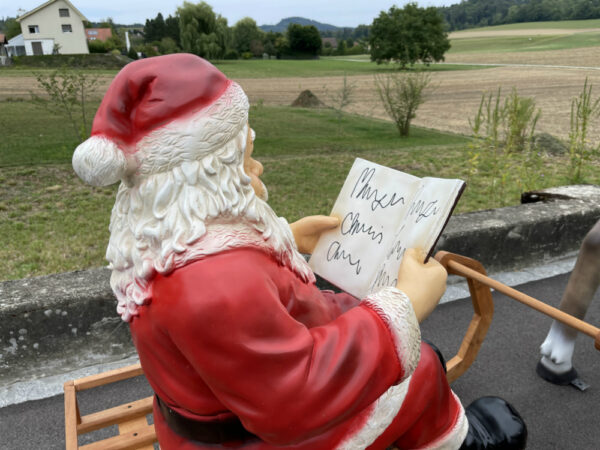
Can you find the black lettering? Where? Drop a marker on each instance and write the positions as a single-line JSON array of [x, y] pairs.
[[335, 253]]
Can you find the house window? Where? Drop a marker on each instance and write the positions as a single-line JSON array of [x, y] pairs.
[[92, 32], [67, 28], [34, 29], [63, 12]]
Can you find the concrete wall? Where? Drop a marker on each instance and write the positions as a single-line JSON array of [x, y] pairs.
[[58, 323], [50, 28]]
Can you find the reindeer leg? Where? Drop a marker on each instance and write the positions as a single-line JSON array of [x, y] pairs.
[[557, 349]]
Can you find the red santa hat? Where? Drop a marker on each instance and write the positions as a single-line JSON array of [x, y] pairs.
[[148, 95]]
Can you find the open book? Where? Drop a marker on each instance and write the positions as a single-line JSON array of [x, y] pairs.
[[383, 212]]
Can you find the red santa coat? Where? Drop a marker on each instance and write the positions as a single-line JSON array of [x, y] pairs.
[[238, 333]]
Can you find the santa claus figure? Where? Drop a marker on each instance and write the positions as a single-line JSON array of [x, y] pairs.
[[239, 345]]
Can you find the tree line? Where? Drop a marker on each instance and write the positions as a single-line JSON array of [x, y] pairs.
[[481, 13], [197, 29]]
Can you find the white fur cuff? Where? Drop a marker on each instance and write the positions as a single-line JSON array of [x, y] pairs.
[[396, 310]]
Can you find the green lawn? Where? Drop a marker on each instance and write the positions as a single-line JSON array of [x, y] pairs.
[[52, 222], [324, 67], [259, 68], [502, 44]]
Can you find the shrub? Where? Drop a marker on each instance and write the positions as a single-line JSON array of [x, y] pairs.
[[132, 53], [503, 142], [247, 55], [583, 109], [68, 94], [520, 118], [97, 46], [547, 143], [231, 54], [401, 94]]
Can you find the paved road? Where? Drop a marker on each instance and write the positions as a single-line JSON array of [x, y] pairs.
[[557, 417]]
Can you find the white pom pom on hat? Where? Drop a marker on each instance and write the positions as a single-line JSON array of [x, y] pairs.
[[99, 162], [144, 96]]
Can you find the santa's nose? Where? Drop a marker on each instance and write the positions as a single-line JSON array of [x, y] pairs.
[[258, 168]]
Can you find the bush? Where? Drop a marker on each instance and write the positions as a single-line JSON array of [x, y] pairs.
[[401, 94], [503, 143], [231, 54], [97, 46], [547, 143], [356, 50], [68, 94], [132, 53], [583, 110], [247, 55]]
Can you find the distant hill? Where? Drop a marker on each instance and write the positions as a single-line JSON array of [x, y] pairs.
[[284, 23]]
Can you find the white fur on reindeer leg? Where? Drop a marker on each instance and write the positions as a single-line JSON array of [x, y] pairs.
[[557, 353]]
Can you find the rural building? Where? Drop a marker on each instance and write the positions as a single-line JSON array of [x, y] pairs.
[[54, 27], [98, 34], [16, 46], [331, 41]]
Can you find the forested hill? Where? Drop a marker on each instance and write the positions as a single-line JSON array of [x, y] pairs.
[[283, 24], [481, 13]]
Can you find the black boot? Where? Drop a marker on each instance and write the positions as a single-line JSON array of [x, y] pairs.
[[494, 424]]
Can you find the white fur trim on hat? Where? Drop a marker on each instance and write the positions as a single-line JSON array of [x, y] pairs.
[[99, 162]]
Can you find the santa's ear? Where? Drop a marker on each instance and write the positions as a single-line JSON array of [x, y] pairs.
[[100, 162]]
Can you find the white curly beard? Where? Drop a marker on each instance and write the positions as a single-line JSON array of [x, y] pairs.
[[163, 221]]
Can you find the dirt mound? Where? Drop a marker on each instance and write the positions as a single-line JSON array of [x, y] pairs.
[[307, 99]]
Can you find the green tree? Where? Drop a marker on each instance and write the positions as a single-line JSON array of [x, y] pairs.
[[245, 33], [155, 29], [270, 40], [167, 45], [202, 32], [408, 35], [172, 29], [12, 28], [304, 40]]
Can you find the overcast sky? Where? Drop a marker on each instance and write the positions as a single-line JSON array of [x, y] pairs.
[[342, 13]]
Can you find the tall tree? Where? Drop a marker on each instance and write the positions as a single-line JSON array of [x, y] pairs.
[[172, 29], [201, 31], [408, 35], [304, 41], [246, 34], [12, 28], [155, 29]]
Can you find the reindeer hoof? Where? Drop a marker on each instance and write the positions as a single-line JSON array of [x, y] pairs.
[[560, 378]]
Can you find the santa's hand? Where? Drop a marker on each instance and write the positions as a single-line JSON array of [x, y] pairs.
[[424, 284], [307, 231]]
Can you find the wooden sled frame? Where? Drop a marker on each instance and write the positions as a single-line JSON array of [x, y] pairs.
[[134, 430], [136, 433]]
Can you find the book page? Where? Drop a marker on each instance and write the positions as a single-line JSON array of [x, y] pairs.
[[371, 205], [421, 227]]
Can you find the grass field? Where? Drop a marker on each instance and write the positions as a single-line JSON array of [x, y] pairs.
[[565, 24], [52, 222], [524, 43]]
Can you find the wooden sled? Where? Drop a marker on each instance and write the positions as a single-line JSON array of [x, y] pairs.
[[136, 433]]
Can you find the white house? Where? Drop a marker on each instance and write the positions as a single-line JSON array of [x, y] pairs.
[[54, 27]]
